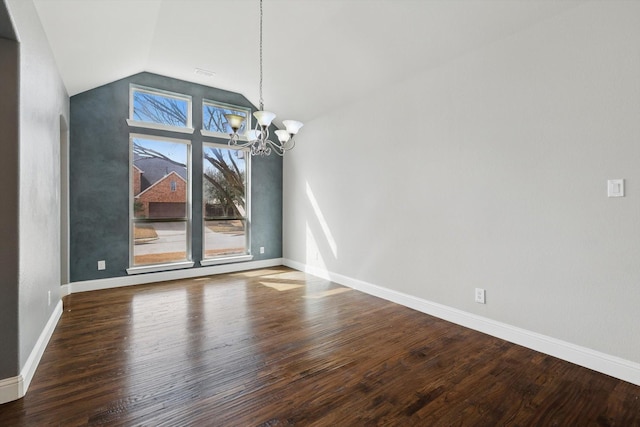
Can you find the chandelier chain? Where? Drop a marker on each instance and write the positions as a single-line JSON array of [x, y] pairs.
[[257, 139], [261, 100]]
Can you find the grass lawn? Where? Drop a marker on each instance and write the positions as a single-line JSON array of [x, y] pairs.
[[144, 231], [231, 226]]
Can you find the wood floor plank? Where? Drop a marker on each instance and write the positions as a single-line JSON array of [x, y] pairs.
[[275, 347]]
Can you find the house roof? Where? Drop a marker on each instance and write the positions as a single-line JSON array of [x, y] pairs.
[[154, 169]]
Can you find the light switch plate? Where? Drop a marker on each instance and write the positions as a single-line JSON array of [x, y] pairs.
[[615, 188]]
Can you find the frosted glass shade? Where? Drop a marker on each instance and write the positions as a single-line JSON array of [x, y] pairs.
[[283, 135], [264, 117], [235, 121], [252, 134], [292, 126]]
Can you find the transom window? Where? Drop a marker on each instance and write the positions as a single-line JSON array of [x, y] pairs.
[[160, 109], [214, 122]]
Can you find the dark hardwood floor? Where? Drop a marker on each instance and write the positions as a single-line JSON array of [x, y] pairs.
[[275, 347]]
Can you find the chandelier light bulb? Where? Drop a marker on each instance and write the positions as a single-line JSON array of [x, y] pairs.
[[292, 126], [235, 121], [264, 118], [283, 135]]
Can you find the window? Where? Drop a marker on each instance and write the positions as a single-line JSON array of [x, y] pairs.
[[214, 123], [160, 200], [153, 108], [161, 188], [226, 202]]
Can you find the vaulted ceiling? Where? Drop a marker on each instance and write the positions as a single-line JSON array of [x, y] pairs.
[[318, 54]]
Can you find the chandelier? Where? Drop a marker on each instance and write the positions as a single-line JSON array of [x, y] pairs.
[[258, 138]]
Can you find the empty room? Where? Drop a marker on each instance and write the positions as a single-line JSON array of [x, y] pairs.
[[204, 222]]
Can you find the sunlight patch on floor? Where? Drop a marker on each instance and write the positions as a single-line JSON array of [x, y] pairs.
[[287, 275], [255, 273], [327, 293], [281, 286]]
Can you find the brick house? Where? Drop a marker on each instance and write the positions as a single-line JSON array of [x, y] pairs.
[[159, 187]]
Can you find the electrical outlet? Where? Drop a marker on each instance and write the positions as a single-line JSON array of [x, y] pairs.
[[102, 265], [480, 296], [261, 249]]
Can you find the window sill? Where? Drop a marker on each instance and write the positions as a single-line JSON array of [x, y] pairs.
[[208, 133], [225, 260], [159, 267], [157, 126]]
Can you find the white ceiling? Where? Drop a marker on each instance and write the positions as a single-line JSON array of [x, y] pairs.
[[318, 54]]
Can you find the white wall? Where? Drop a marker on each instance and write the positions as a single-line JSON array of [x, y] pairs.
[[498, 181], [43, 99]]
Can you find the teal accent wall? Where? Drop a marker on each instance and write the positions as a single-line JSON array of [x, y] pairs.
[[99, 177]]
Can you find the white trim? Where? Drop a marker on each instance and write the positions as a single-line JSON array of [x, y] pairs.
[[614, 366], [225, 260], [152, 268], [11, 389], [31, 364], [117, 282], [16, 387], [158, 126]]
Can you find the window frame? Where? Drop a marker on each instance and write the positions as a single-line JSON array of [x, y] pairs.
[[188, 219], [226, 259], [131, 121], [223, 105]]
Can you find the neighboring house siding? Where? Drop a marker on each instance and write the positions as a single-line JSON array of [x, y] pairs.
[[153, 198]]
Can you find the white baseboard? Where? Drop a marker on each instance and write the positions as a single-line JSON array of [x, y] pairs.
[[601, 362], [14, 388], [140, 279], [11, 389]]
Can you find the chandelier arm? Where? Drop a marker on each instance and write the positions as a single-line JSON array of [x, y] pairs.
[[239, 144], [258, 149], [278, 148]]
